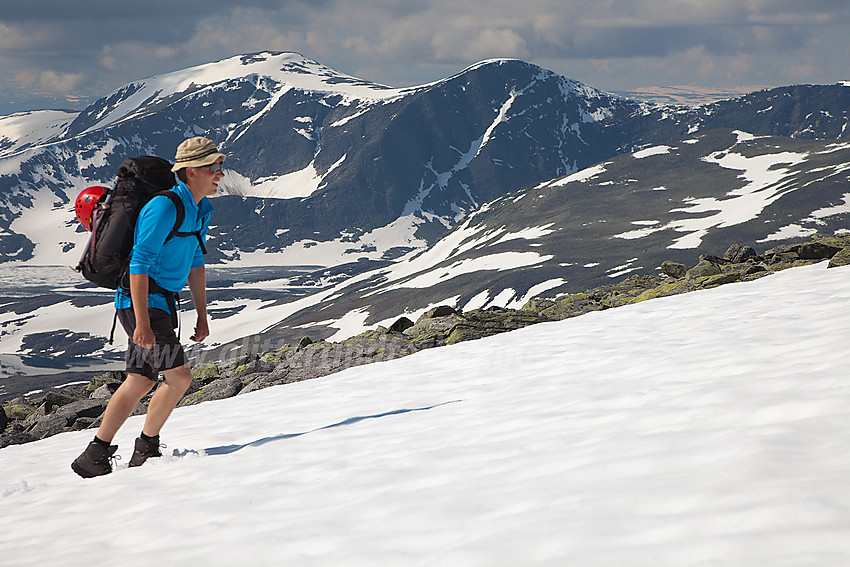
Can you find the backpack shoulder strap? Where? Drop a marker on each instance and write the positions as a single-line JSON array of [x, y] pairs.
[[181, 215], [181, 210]]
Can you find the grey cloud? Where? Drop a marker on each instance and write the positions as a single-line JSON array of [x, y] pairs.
[[106, 11], [89, 47]]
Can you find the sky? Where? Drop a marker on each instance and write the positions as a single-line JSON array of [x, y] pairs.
[[63, 55], [708, 428]]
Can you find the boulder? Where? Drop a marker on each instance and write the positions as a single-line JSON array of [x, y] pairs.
[[817, 251], [84, 408], [401, 325], [739, 253], [215, 390], [674, 269], [441, 311], [58, 398], [841, 258], [429, 332], [102, 393], [4, 420], [15, 436], [705, 268], [262, 380], [18, 409], [812, 250], [112, 378], [48, 425], [41, 425], [204, 374]]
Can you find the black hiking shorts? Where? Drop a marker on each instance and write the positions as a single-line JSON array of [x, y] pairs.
[[166, 354]]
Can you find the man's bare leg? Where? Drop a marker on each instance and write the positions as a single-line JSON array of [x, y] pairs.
[[164, 400], [123, 402]]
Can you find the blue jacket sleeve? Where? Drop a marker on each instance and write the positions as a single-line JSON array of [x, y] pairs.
[[153, 226]]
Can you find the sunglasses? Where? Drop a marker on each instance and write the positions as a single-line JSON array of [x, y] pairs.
[[214, 167]]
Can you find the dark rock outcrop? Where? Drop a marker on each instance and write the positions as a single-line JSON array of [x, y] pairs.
[[841, 258]]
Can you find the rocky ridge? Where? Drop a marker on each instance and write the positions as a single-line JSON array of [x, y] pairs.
[[80, 406]]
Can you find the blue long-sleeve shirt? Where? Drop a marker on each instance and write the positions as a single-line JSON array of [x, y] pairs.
[[168, 263]]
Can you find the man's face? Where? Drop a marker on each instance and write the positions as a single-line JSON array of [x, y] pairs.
[[206, 178]]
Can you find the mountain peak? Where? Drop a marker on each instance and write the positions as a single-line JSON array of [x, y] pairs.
[[270, 70]]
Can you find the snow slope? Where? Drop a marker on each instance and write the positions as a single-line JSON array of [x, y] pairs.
[[700, 429], [23, 130]]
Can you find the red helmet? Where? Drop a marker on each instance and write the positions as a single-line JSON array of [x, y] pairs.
[[86, 202]]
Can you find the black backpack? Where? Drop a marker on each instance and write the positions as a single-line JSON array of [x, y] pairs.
[[107, 254], [106, 258]]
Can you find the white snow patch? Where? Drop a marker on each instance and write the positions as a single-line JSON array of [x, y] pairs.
[[24, 129], [826, 212], [478, 301], [350, 324], [530, 233], [653, 151], [503, 298], [623, 269], [790, 231], [538, 290], [298, 184], [493, 262], [765, 177], [579, 176]]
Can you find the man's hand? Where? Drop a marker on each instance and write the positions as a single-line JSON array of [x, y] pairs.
[[143, 336], [202, 330]]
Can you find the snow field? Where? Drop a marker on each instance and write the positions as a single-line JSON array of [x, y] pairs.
[[702, 429]]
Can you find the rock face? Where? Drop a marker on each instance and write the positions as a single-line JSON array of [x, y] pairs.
[[841, 258], [76, 407]]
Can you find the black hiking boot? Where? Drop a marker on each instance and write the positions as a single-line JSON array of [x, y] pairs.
[[145, 450], [96, 460]]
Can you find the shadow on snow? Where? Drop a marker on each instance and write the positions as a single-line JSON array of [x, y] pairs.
[[228, 449]]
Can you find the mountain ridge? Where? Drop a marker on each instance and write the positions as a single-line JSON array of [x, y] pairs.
[[371, 191]]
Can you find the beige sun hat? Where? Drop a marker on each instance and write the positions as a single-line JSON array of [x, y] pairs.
[[196, 152]]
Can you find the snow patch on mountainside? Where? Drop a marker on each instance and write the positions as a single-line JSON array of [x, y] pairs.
[[579, 176], [793, 230], [51, 227], [765, 181], [371, 245], [51, 319], [653, 151], [22, 130], [294, 185], [764, 175], [493, 262], [832, 211]]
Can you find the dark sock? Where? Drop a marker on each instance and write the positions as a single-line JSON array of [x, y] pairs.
[[148, 437], [101, 442]]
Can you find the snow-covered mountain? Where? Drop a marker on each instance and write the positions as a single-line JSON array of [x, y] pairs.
[[347, 203], [24, 130], [701, 429], [342, 157], [623, 216]]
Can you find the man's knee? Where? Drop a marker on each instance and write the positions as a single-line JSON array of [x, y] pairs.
[[136, 384], [179, 378]]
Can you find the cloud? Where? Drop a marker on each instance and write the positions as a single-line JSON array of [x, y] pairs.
[[60, 83], [96, 46]]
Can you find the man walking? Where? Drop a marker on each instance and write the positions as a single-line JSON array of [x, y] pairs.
[[160, 264]]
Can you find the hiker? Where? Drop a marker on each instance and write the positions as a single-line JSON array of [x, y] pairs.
[[159, 262]]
